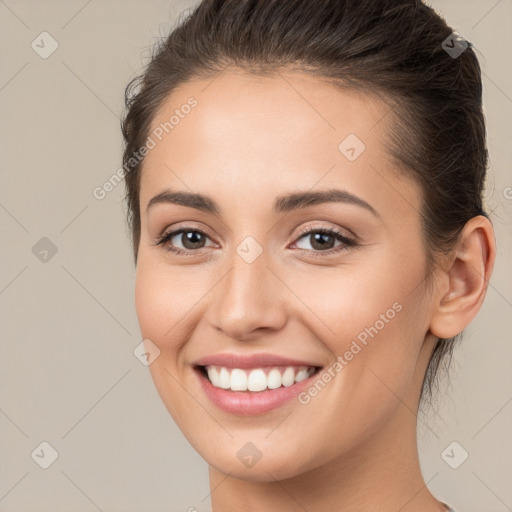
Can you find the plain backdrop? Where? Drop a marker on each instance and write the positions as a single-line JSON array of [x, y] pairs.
[[68, 373]]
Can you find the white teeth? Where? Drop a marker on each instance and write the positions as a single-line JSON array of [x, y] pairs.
[[274, 379], [224, 379], [238, 380], [301, 375], [288, 377], [257, 379], [213, 375]]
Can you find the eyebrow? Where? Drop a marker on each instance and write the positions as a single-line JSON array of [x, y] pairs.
[[283, 203]]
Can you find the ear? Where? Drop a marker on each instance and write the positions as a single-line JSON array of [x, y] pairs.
[[464, 280]]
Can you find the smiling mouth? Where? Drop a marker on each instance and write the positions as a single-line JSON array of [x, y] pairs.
[[255, 379]]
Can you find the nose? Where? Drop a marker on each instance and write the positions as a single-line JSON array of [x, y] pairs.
[[249, 301]]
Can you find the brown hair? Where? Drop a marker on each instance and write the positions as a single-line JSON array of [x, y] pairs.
[[392, 48]]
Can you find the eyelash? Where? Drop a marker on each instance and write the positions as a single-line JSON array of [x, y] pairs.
[[339, 235]]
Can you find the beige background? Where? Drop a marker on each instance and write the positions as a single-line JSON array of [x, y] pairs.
[[68, 373]]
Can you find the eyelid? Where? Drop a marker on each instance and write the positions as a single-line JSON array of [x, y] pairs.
[[346, 233]]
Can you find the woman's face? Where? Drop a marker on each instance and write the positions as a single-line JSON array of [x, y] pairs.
[[265, 279]]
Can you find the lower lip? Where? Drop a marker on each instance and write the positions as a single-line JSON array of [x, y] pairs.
[[249, 403]]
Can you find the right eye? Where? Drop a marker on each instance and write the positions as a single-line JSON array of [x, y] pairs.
[[190, 238]]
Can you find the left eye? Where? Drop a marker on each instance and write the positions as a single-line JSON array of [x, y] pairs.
[[323, 240]]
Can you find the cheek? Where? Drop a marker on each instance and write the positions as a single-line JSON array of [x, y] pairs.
[[152, 304], [373, 322], [162, 303], [163, 298], [363, 301], [376, 330]]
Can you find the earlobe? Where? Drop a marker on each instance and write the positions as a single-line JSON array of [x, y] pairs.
[[467, 279]]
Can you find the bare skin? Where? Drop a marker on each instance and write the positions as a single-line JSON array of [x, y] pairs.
[[353, 446]]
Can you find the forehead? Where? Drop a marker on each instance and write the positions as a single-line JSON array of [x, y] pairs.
[[288, 108], [261, 136]]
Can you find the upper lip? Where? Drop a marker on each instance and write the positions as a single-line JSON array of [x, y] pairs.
[[231, 360]]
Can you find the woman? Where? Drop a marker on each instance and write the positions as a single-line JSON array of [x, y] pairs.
[[304, 184]]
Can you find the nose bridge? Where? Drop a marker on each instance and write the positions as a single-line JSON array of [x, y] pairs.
[[247, 299]]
